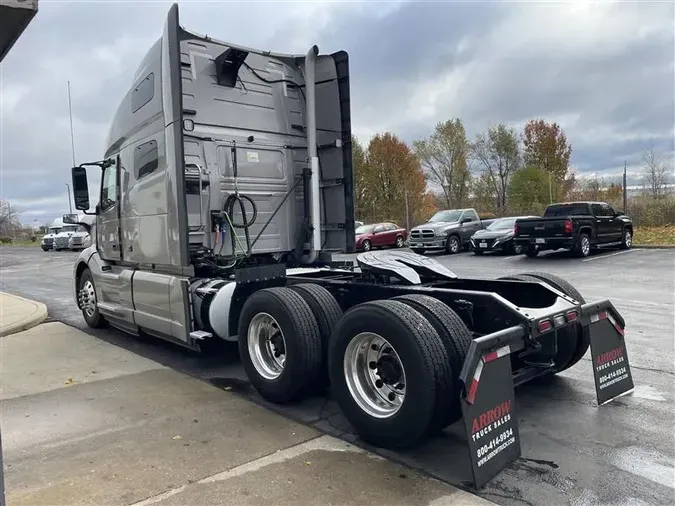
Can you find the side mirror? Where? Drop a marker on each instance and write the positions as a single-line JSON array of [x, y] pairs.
[[618, 213], [465, 220], [80, 188], [70, 218]]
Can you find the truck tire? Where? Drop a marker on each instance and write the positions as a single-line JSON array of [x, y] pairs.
[[327, 312], [582, 248], [389, 372], [453, 244], [86, 297], [280, 344], [626, 238], [531, 251], [456, 339], [574, 341]]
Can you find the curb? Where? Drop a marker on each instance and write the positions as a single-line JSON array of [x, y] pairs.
[[654, 246], [34, 319]]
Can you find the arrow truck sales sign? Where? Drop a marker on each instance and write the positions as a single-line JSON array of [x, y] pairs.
[[490, 420], [610, 358]]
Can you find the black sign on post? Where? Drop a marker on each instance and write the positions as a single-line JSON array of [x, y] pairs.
[[610, 358], [489, 418]]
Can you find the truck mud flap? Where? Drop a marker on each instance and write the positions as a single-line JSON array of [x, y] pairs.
[[488, 397], [609, 356], [489, 418]]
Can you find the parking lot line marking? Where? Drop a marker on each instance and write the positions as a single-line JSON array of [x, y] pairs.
[[606, 256]]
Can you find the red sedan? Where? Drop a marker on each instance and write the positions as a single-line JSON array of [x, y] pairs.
[[380, 235]]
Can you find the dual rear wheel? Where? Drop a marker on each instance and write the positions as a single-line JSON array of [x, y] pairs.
[[392, 365]]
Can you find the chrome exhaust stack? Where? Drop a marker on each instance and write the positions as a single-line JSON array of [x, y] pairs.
[[315, 187]]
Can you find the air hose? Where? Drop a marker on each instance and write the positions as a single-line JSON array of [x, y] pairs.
[[228, 210]]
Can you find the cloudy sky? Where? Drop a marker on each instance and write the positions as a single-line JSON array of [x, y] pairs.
[[603, 70]]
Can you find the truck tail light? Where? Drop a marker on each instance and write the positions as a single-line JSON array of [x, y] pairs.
[[572, 316], [568, 227], [544, 326], [515, 229]]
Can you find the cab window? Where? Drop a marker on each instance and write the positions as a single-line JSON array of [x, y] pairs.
[[598, 210], [109, 187]]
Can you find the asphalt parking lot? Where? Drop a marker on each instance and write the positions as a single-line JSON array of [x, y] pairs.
[[573, 452]]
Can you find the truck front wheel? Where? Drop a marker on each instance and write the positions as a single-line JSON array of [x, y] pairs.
[[280, 344], [87, 301], [389, 372], [453, 245]]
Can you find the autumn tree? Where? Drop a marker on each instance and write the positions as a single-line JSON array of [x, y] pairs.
[[444, 158], [655, 173], [529, 191], [497, 153], [362, 200], [545, 146], [395, 182]]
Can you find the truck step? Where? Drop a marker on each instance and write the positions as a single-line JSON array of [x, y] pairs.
[[200, 335]]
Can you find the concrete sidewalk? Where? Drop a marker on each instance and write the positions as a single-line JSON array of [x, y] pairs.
[[17, 313], [85, 422]]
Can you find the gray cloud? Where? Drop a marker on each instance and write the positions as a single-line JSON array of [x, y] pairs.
[[605, 72]]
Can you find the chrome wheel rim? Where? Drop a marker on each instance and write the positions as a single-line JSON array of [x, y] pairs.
[[88, 298], [375, 375], [266, 346], [628, 239], [399, 242], [585, 246], [517, 249], [366, 246]]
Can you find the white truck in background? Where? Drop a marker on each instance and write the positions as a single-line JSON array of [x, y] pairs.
[[54, 229]]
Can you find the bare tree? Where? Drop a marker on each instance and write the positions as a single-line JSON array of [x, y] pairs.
[[496, 151], [9, 218], [655, 175], [443, 157]]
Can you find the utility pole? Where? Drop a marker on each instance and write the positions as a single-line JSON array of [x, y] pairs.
[[407, 212], [625, 190], [70, 203], [72, 137]]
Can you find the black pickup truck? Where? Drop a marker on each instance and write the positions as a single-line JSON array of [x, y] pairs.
[[576, 226]]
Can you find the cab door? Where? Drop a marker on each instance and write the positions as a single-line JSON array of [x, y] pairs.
[[379, 235], [615, 230], [108, 219], [603, 223]]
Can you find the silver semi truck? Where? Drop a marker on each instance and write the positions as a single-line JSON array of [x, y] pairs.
[[226, 187]]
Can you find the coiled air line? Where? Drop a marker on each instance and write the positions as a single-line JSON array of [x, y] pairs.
[[228, 210]]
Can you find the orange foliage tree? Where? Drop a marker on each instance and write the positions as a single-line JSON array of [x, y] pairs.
[[390, 183]]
